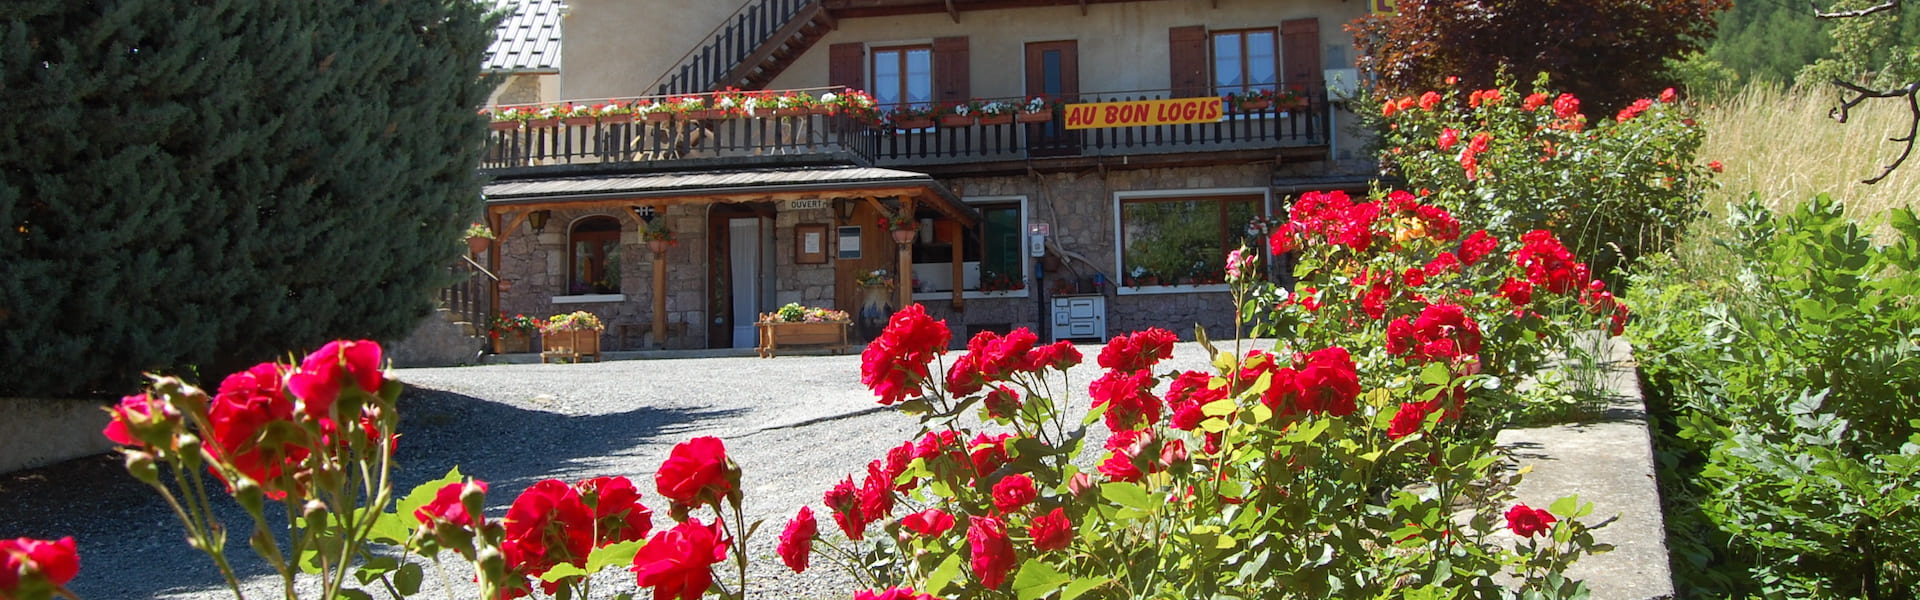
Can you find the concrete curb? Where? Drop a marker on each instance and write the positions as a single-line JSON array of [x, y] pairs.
[[1608, 462], [37, 432]]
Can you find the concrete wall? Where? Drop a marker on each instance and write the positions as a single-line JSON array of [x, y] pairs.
[[616, 48], [36, 432], [526, 89]]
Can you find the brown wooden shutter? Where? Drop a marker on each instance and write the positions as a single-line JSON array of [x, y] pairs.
[[1300, 53], [847, 65], [952, 80], [1187, 59]]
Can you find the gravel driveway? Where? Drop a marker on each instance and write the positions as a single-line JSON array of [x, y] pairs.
[[795, 424]]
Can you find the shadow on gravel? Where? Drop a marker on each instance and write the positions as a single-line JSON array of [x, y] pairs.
[[131, 545]]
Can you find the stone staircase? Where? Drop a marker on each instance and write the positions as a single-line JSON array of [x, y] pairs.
[[440, 340], [750, 48]]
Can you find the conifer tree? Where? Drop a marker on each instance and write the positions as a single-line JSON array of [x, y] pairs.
[[197, 185]]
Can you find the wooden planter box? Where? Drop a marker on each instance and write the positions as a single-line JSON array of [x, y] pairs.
[[512, 343], [1034, 117], [570, 345], [832, 335], [996, 119], [955, 121]]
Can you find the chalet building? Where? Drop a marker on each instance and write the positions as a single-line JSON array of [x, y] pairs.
[[1163, 131]]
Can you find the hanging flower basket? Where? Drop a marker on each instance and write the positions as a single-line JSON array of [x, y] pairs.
[[476, 245], [657, 246], [1034, 117], [903, 236]]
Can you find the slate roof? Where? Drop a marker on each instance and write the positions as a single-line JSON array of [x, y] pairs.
[[528, 40], [685, 184]]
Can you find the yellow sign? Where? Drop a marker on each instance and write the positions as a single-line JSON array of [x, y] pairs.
[[1135, 113], [1385, 7]]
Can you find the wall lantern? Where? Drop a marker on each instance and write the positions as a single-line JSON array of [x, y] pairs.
[[538, 220]]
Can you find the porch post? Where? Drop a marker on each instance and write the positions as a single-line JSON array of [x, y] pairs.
[[660, 298], [904, 275]]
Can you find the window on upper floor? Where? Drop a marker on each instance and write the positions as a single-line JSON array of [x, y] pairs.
[[1183, 239], [595, 244], [903, 77], [1245, 60]]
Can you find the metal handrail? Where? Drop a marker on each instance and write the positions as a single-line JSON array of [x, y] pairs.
[[476, 265]]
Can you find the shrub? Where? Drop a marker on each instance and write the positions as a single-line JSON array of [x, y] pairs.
[[1614, 189], [1794, 393]]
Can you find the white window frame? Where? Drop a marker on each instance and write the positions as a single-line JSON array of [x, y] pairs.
[[1120, 251], [1026, 264]]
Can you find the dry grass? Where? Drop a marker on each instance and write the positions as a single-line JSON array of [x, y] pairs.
[[1780, 143]]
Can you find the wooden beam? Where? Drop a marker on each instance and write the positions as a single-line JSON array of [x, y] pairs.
[[952, 12], [500, 237], [952, 232], [493, 265], [696, 197], [660, 299]]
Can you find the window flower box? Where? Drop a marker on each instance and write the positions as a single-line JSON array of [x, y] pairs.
[[952, 120], [1034, 117], [999, 119]]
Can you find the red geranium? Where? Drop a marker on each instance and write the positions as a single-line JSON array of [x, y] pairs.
[[993, 554], [1527, 522], [1014, 492], [696, 472], [1051, 531], [796, 542], [677, 563]]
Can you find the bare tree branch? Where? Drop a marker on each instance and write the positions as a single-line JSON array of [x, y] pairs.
[[1848, 14], [1861, 94]]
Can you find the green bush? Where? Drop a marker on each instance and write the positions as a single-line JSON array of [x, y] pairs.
[[1792, 392]]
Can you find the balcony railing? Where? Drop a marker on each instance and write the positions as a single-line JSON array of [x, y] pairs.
[[664, 138]]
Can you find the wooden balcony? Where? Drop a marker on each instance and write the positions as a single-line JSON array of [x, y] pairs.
[[976, 147]]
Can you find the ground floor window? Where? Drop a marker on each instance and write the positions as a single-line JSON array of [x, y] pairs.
[[1182, 238], [992, 253], [595, 245]]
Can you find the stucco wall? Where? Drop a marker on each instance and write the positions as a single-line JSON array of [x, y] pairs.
[[616, 48], [1122, 47]]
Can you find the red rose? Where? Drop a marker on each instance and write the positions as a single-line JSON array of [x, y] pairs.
[[617, 513], [1002, 403], [993, 554], [248, 401], [22, 560], [876, 495], [1429, 100], [1327, 382], [963, 376], [1051, 531], [447, 508], [1128, 397], [844, 501], [1517, 291], [1374, 303], [898, 593], [1408, 420], [1137, 351], [137, 415], [987, 453], [1119, 467], [317, 382], [547, 525], [898, 459], [1526, 522], [1534, 101], [1446, 261], [677, 563], [696, 472], [1566, 106], [1058, 356], [930, 522], [1477, 246], [796, 542], [1014, 492], [895, 364], [1449, 137]]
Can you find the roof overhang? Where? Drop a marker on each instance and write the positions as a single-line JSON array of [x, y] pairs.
[[722, 186]]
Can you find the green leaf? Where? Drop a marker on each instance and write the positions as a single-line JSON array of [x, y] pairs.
[[1081, 586], [1130, 495], [1214, 425], [563, 571], [1435, 374], [407, 579], [613, 554], [943, 574], [1218, 408], [1037, 579], [1565, 507], [353, 594]]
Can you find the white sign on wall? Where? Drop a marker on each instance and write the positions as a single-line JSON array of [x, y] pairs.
[[806, 203]]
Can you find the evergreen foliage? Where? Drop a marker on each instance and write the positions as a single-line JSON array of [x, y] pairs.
[[199, 185]]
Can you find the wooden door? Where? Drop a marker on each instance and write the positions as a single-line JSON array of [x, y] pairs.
[[1053, 72], [720, 314]]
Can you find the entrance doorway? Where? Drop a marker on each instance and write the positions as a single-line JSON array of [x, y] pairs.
[[740, 280]]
